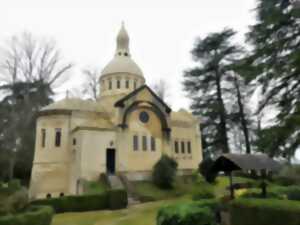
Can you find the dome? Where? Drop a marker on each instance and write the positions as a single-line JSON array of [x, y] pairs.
[[122, 62]]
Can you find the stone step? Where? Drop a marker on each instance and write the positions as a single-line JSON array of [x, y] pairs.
[[115, 182]]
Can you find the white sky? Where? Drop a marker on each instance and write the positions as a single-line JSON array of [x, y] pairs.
[[162, 33]]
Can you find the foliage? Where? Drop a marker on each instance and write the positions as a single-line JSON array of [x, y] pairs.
[[196, 213], [94, 187], [205, 168], [164, 172], [216, 55], [204, 193], [117, 199], [30, 68], [14, 202], [264, 212], [274, 67], [113, 199], [289, 175], [257, 193], [76, 203], [35, 215]]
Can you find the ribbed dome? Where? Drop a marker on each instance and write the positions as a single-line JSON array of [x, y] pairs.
[[122, 62]]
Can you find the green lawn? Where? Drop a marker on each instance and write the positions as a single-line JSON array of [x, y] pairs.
[[95, 187], [142, 214]]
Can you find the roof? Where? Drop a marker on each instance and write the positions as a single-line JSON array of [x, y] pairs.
[[122, 64], [120, 103], [230, 162], [74, 104]]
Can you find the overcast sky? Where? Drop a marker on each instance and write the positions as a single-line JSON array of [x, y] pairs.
[[161, 33]]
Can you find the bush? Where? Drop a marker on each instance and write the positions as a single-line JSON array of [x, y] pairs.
[[14, 185], [164, 172], [196, 213], [257, 193], [205, 169], [36, 215], [117, 199], [291, 192], [289, 175], [204, 193], [264, 212], [76, 203], [14, 202]]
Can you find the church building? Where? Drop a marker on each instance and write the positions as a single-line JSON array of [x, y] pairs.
[[125, 131]]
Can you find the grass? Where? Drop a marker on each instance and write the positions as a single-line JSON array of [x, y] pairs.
[[95, 187], [142, 214]]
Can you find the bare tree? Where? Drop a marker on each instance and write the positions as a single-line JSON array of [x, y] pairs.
[[28, 59], [161, 88], [91, 87], [30, 69]]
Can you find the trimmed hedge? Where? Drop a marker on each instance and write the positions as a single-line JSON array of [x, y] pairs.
[[113, 199], [204, 193], [195, 213], [36, 215], [264, 212], [117, 199]]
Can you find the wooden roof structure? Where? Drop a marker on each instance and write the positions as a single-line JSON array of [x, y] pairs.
[[231, 162]]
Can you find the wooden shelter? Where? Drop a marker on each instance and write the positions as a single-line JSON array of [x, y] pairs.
[[245, 162]]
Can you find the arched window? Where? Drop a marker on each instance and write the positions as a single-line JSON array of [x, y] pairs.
[[135, 142], [57, 137], [127, 84], [134, 84], [118, 84], [48, 195], [43, 138], [109, 84]]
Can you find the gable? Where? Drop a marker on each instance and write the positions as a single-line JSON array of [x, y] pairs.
[[143, 94]]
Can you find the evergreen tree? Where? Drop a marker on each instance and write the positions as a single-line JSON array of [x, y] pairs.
[[206, 85], [275, 66]]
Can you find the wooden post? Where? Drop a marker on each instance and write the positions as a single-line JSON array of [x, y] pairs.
[[231, 185]]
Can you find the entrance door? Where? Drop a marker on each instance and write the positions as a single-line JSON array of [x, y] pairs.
[[110, 161]]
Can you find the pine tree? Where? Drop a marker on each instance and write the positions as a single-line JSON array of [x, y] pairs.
[[275, 66], [215, 55]]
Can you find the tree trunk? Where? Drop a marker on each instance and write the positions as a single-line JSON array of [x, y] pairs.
[[222, 112], [242, 116]]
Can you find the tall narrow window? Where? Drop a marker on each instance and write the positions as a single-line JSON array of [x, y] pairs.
[[109, 84], [145, 143], [176, 147], [127, 84], [57, 137], [43, 138], [135, 142], [134, 84], [153, 145], [189, 147], [74, 141], [118, 84], [182, 147]]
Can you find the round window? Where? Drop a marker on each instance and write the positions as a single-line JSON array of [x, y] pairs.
[[144, 117]]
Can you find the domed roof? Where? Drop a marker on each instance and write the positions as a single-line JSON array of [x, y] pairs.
[[122, 62]]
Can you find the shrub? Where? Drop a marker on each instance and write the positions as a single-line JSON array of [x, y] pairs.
[[164, 172], [205, 169], [117, 199], [35, 215], [264, 212], [257, 193], [15, 202], [14, 185], [204, 193], [291, 192], [76, 203], [196, 213], [289, 175]]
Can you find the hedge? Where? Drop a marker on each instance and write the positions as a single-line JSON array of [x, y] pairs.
[[117, 199], [264, 212], [36, 215], [195, 213], [204, 193], [113, 199]]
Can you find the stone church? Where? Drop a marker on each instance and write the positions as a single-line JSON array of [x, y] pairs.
[[125, 131]]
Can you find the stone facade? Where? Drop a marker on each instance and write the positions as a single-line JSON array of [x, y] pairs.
[[125, 131]]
